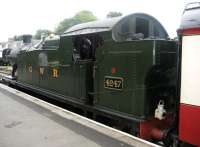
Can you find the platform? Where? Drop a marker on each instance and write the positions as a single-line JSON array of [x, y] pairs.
[[26, 121]]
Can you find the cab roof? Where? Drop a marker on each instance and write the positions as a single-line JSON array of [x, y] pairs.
[[93, 26], [108, 25]]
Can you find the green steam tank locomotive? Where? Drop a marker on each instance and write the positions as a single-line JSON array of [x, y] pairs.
[[122, 68]]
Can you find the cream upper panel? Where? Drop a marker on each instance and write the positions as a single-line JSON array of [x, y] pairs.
[[190, 74]]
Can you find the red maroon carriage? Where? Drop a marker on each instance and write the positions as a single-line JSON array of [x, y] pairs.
[[189, 35]]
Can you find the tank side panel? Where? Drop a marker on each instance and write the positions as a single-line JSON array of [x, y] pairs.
[[132, 61]]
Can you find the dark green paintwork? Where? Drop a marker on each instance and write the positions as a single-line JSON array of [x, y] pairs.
[[133, 61], [147, 67], [72, 78]]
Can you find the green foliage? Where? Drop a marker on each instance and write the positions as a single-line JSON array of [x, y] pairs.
[[113, 14], [41, 31], [85, 16], [65, 24], [80, 17]]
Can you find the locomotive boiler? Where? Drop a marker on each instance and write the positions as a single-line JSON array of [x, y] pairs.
[[122, 68]]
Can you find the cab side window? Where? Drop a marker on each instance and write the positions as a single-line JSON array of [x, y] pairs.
[[85, 47], [142, 26]]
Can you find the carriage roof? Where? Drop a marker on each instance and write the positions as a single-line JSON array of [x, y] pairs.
[[191, 16]]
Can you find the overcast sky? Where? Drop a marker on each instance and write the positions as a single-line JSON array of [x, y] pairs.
[[26, 16]]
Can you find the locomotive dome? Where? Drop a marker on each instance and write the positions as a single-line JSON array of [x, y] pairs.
[[136, 24]]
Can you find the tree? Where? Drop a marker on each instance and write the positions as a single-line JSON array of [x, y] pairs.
[[65, 24], [113, 14], [85, 16], [80, 17], [40, 32]]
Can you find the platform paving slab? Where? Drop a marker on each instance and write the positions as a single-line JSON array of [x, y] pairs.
[[27, 124]]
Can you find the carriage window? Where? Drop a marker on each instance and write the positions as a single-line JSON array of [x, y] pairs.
[[142, 26]]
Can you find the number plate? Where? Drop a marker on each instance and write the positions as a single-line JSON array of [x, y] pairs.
[[115, 83]]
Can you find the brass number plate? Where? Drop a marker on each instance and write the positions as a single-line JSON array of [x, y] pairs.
[[115, 83]]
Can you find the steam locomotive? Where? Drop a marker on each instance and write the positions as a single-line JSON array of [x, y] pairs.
[[124, 70]]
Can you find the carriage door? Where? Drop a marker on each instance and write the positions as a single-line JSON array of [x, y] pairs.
[[190, 89]]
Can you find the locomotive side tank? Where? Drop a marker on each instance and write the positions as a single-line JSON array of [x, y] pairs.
[[123, 67]]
